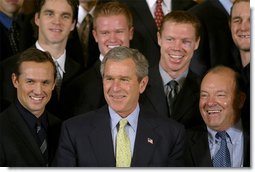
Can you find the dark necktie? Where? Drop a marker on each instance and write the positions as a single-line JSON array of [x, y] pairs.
[[14, 37], [41, 136], [84, 32], [222, 157], [59, 79], [171, 94], [158, 13]]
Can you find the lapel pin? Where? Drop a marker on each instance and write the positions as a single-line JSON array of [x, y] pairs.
[[149, 140]]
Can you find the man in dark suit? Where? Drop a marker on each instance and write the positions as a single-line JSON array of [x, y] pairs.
[[241, 31], [216, 44], [11, 19], [22, 144], [222, 95], [178, 38], [145, 29], [53, 33], [112, 27], [93, 139]]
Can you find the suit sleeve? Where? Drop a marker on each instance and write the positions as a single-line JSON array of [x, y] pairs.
[[66, 154]]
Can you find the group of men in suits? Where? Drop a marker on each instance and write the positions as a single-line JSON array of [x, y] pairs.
[[113, 88]]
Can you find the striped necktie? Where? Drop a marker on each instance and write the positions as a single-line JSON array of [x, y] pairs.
[[42, 140]]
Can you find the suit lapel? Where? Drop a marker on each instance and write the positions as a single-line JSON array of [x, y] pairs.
[[200, 150], [146, 141], [187, 98], [155, 92], [23, 133], [101, 139]]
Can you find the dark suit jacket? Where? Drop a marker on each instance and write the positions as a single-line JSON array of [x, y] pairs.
[[19, 147], [86, 140], [186, 105], [86, 91], [26, 37], [55, 106], [145, 30], [198, 153], [216, 44]]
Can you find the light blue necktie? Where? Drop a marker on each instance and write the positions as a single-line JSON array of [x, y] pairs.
[[222, 157]]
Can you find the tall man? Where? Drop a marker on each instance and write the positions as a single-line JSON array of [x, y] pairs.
[[178, 38], [98, 138], [225, 139], [29, 134]]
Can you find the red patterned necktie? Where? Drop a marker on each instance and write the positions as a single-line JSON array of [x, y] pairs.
[[158, 13]]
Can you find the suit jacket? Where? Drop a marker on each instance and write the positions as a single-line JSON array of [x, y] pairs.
[[26, 38], [86, 91], [198, 153], [186, 105], [86, 140], [145, 30], [216, 44], [55, 106], [19, 147]]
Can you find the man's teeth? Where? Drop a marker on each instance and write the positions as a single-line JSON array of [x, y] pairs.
[[36, 98], [176, 56], [213, 111], [113, 46], [245, 36]]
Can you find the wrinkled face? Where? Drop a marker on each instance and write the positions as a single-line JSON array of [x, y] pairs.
[[55, 22], [10, 7], [34, 85], [240, 25], [177, 44], [219, 103], [112, 31], [121, 86]]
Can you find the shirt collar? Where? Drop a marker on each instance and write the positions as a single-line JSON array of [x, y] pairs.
[[132, 118], [166, 78], [61, 60], [5, 20], [101, 57], [227, 4], [166, 5], [82, 13], [235, 133], [30, 118]]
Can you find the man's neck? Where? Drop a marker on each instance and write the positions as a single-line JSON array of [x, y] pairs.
[[56, 50]]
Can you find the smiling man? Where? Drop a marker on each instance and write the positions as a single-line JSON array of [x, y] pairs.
[[98, 138], [222, 98], [178, 38], [113, 27], [29, 134]]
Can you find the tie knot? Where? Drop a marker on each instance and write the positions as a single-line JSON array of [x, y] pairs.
[[56, 63], [123, 123], [88, 17], [159, 1], [172, 84], [222, 135]]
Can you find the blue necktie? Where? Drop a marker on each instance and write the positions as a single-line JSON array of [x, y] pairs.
[[222, 157]]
